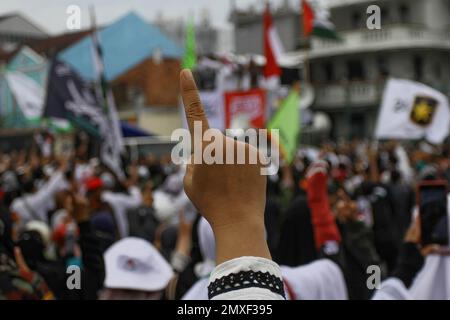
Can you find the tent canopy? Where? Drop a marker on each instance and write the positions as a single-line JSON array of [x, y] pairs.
[[130, 131], [125, 43]]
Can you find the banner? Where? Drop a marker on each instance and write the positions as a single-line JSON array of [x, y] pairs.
[[412, 110], [245, 109]]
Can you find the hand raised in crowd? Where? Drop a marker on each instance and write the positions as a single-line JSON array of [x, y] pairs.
[[133, 177], [184, 240], [230, 196], [81, 210], [413, 235]]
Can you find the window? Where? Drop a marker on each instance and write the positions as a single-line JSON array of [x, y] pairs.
[[355, 70], [358, 125], [329, 72], [383, 67], [385, 17], [437, 71], [404, 13], [356, 20], [418, 68]]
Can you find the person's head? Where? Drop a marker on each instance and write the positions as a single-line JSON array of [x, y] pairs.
[[346, 210], [33, 241], [64, 200], [94, 189], [135, 270]]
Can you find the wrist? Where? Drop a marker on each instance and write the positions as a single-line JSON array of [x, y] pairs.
[[242, 238]]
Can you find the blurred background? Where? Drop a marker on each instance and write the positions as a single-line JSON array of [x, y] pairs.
[[144, 46], [89, 98]]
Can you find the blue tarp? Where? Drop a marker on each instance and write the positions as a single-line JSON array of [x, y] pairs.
[[129, 131], [125, 43]]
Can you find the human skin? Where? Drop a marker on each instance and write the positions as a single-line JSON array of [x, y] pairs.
[[230, 196]]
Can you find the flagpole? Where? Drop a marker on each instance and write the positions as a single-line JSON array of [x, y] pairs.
[[113, 139], [306, 67], [101, 94]]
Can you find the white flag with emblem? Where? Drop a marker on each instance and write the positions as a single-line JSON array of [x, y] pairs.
[[412, 110]]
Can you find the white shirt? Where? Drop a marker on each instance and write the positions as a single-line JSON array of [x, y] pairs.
[[120, 203], [37, 205]]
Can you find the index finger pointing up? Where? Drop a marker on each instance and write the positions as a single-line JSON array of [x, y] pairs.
[[192, 105]]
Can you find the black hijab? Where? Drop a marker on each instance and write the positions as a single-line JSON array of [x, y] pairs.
[[296, 246]]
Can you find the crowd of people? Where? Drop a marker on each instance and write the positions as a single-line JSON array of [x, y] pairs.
[[312, 231]]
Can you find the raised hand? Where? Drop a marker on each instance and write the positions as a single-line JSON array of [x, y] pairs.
[[230, 196]]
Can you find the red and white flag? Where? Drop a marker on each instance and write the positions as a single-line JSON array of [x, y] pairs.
[[273, 48]]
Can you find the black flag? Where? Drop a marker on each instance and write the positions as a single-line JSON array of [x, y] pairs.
[[69, 97]]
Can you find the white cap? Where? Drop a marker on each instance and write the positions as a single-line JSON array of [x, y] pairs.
[[134, 264]]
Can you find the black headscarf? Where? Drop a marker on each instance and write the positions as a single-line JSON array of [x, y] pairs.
[[296, 246]]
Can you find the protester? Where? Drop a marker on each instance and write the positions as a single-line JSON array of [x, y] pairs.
[[135, 271], [211, 231]]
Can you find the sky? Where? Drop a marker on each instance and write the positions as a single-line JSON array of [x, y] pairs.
[[51, 14]]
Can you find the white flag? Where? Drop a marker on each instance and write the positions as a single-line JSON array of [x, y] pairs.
[[412, 110], [28, 94], [112, 144]]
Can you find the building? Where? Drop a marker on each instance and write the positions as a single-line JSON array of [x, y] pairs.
[[16, 30], [248, 27], [142, 64], [349, 76], [207, 36]]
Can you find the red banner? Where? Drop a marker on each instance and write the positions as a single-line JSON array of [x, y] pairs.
[[243, 107]]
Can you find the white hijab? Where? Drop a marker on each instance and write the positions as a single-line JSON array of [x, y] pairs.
[[431, 283], [207, 249], [318, 280]]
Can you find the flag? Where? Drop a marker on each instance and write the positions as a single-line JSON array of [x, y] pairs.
[[273, 47], [27, 93], [286, 119], [190, 51], [412, 110], [316, 21], [112, 147], [70, 98]]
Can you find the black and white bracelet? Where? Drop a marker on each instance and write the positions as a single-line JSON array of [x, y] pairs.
[[244, 280]]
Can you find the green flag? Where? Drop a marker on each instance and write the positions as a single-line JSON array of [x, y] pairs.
[[287, 120], [190, 51]]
